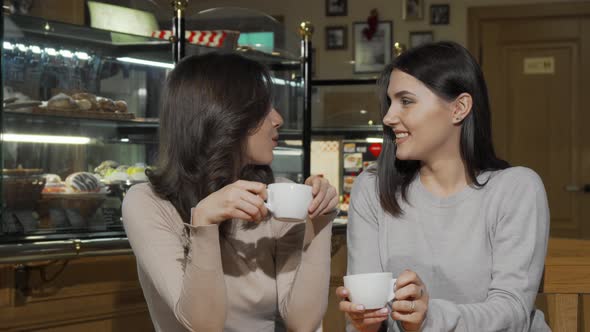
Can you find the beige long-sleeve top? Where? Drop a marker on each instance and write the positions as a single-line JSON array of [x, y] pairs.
[[239, 276]]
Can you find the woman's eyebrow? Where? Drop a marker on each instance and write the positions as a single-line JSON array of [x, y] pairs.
[[403, 92]]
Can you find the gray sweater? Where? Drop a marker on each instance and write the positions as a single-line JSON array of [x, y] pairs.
[[480, 252]]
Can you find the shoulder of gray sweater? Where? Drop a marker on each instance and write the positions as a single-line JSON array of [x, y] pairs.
[[367, 180], [517, 176]]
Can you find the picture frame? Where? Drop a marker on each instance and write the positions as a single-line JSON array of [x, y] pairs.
[[440, 14], [412, 9], [336, 7], [418, 38], [336, 37], [371, 56]]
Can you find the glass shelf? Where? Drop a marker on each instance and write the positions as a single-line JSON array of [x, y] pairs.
[[42, 58], [139, 130], [40, 32]]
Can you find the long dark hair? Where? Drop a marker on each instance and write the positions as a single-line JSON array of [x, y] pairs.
[[211, 104], [448, 70]]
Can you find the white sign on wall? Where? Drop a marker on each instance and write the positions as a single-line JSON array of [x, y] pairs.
[[545, 65]]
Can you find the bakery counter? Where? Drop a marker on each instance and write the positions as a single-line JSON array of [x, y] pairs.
[[85, 283], [39, 248], [83, 294], [56, 246]]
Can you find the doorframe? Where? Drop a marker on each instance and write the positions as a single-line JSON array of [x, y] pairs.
[[476, 16]]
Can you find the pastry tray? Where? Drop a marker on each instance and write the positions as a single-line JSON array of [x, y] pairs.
[[81, 114]]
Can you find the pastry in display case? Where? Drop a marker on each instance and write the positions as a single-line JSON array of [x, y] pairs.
[[80, 115]]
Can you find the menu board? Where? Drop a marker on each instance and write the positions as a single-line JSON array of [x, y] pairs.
[[357, 156]]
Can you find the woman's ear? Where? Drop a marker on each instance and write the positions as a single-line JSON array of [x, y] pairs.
[[461, 107]]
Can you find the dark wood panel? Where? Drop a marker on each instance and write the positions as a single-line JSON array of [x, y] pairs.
[[87, 294]]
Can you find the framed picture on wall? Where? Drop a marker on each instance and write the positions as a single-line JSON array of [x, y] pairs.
[[336, 7], [440, 14], [412, 9], [336, 37], [372, 49], [418, 38]]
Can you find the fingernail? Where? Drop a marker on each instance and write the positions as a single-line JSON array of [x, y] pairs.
[[345, 292], [360, 307], [384, 311]]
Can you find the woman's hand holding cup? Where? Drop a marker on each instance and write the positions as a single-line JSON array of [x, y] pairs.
[[295, 202], [240, 200], [325, 196], [245, 200], [364, 299], [364, 320], [411, 303]]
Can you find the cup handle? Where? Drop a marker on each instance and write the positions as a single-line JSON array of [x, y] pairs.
[[268, 206], [391, 296], [267, 203]]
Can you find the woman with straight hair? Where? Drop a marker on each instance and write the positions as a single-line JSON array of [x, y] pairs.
[[209, 256], [464, 232]]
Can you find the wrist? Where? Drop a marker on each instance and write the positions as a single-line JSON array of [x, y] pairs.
[[334, 210], [198, 218]]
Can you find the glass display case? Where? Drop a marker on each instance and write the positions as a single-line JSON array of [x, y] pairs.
[[80, 118], [346, 132], [265, 39]]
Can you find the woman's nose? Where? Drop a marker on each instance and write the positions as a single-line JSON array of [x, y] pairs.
[[276, 118], [391, 117]]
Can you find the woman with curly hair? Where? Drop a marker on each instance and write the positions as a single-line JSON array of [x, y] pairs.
[[209, 255]]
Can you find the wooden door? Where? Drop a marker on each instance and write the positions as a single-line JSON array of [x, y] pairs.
[[536, 60]]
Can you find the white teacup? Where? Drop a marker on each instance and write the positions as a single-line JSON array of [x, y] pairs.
[[289, 201], [372, 290]]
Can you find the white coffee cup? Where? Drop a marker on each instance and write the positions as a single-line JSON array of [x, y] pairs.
[[372, 290], [289, 201]]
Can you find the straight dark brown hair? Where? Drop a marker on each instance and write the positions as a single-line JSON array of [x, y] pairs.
[[210, 105], [448, 70]]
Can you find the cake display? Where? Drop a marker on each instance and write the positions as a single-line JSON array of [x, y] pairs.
[[137, 173], [85, 104], [106, 166], [83, 182], [107, 105], [121, 106], [110, 171], [85, 101], [113, 175], [54, 184], [62, 102]]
